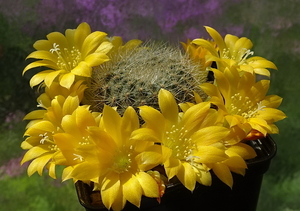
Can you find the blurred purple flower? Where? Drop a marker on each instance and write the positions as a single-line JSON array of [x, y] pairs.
[[13, 118], [87, 4], [12, 168], [170, 20], [111, 16]]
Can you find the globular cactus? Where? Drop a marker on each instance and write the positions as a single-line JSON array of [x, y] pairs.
[[134, 77]]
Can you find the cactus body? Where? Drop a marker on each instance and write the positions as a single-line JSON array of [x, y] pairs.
[[134, 77]]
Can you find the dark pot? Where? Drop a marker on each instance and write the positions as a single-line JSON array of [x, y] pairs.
[[242, 197]]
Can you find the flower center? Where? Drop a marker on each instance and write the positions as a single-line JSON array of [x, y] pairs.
[[46, 137], [66, 59], [243, 106], [85, 140], [122, 161], [178, 140], [240, 56]]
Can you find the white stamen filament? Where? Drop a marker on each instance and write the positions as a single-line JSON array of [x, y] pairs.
[[78, 157]]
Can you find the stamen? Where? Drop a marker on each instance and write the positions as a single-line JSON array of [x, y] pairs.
[[66, 59], [244, 53], [55, 48], [45, 137], [78, 157], [260, 107], [41, 105], [191, 158]]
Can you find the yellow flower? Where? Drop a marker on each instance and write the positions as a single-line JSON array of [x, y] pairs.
[[197, 54], [39, 142], [45, 99], [234, 51], [55, 89], [119, 46], [114, 164], [235, 162], [244, 102], [75, 141], [68, 56], [186, 141]]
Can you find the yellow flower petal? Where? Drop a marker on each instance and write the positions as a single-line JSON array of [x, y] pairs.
[[223, 173], [37, 114], [58, 38], [112, 123], [195, 116], [209, 154], [40, 126], [259, 62], [203, 176], [85, 171], [50, 77], [241, 43], [70, 105], [95, 59], [67, 173], [235, 162], [91, 43], [46, 55], [262, 71], [43, 45], [148, 184], [206, 44], [172, 166], [129, 123], [38, 164], [102, 139], [216, 36], [34, 152], [150, 158], [110, 189], [132, 189], [260, 89], [187, 176], [222, 83], [104, 48], [84, 118], [145, 134], [82, 69], [271, 115], [210, 89], [67, 80], [25, 145], [52, 170], [272, 101], [168, 105], [210, 135], [232, 120], [81, 32], [39, 77], [63, 142], [155, 120], [40, 63]]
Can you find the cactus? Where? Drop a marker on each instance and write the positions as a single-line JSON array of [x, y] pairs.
[[134, 77]]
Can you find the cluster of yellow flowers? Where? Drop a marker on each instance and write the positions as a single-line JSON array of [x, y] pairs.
[[119, 153]]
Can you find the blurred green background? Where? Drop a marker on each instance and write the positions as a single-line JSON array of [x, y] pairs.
[[273, 26]]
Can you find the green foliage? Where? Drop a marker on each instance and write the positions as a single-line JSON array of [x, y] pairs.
[[10, 141], [280, 194], [38, 193], [14, 89]]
